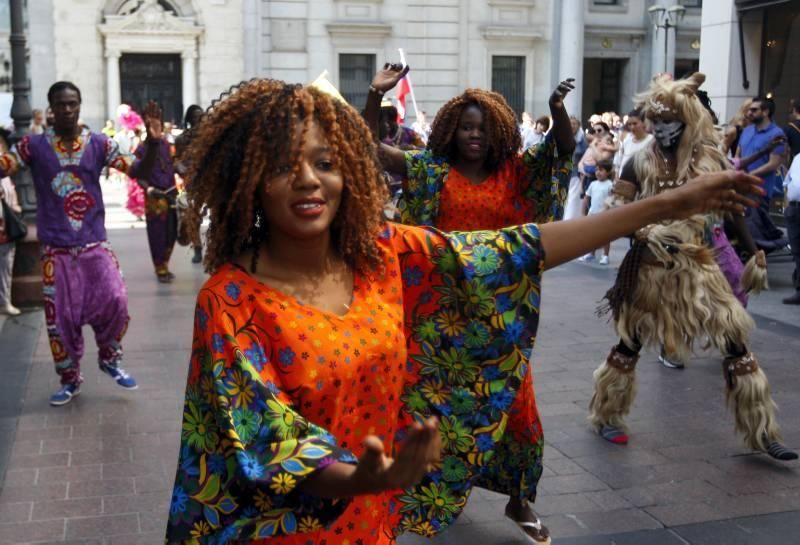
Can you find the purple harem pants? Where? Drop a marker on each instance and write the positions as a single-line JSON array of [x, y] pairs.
[[729, 263], [83, 285]]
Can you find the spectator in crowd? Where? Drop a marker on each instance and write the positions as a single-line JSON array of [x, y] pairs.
[[595, 201], [190, 120], [730, 139], [49, 118], [636, 139], [792, 215], [573, 207], [109, 129], [421, 126], [755, 137], [37, 122], [602, 147], [7, 246], [527, 124], [536, 134], [792, 129]]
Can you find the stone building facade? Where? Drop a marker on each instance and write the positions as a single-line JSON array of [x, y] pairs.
[[189, 51], [756, 50]]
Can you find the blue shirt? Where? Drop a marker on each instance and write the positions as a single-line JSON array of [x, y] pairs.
[[752, 141]]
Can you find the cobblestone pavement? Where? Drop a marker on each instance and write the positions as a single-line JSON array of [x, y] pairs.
[[99, 471]]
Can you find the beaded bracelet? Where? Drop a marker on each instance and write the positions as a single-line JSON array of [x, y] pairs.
[[374, 90]]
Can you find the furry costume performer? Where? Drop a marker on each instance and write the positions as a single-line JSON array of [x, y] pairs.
[[671, 289]]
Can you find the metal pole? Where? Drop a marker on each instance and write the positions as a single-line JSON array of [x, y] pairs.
[[666, 46], [26, 286], [21, 107]]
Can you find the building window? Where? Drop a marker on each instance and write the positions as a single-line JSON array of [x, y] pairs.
[[355, 75], [508, 79], [605, 2], [692, 3]]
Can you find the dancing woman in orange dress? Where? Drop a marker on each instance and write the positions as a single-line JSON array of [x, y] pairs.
[[472, 176], [350, 378]]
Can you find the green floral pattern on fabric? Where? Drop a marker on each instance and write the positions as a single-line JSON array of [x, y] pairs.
[[243, 448], [544, 174], [471, 329]]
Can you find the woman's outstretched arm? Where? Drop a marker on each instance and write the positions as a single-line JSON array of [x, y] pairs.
[[725, 191]]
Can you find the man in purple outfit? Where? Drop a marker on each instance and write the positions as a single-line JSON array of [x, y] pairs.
[[157, 178], [82, 279]]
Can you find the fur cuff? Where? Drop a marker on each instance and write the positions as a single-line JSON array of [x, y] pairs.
[[754, 278], [621, 362], [734, 366]]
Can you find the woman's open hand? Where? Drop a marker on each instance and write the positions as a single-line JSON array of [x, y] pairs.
[[387, 78], [376, 471], [726, 191], [152, 121], [563, 89]]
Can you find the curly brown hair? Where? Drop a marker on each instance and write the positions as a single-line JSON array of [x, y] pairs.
[[499, 120], [246, 136]]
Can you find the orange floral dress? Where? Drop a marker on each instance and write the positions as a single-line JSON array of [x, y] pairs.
[[494, 203], [278, 389]]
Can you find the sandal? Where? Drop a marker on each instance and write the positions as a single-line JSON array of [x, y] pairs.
[[524, 526]]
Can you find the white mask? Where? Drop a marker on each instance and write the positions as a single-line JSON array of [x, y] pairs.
[[668, 134]]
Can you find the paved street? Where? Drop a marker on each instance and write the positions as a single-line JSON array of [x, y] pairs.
[[99, 471]]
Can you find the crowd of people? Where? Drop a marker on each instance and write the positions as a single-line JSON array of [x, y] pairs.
[[353, 377]]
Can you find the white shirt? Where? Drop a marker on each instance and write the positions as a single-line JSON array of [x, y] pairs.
[[791, 182], [531, 138], [628, 149], [598, 193]]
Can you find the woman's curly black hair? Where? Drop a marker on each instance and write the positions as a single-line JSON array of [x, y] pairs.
[[247, 134], [499, 120]]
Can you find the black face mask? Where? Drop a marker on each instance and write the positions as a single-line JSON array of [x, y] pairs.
[[668, 134]]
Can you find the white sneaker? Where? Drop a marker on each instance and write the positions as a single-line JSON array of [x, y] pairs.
[[604, 260], [587, 257], [670, 363], [11, 310]]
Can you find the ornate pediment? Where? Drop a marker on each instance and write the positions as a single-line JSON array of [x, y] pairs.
[[149, 17]]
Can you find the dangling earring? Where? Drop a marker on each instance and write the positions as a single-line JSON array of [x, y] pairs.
[[257, 234]]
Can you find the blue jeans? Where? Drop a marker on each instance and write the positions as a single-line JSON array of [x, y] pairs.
[[792, 215]]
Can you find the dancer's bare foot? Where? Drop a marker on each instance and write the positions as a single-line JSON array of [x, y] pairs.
[[528, 521]]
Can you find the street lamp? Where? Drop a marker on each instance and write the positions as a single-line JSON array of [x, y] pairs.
[[666, 17]]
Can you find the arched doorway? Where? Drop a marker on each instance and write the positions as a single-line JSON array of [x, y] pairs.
[[151, 51]]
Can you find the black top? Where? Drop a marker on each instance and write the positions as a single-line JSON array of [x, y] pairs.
[[792, 131]]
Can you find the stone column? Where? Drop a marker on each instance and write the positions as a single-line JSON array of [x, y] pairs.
[[570, 63], [720, 56], [189, 77], [113, 86]]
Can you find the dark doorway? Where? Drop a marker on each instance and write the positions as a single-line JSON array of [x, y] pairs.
[[602, 88], [147, 76]]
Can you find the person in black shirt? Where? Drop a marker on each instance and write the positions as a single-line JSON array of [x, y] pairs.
[[792, 129]]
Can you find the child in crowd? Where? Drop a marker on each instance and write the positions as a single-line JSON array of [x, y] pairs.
[[594, 201]]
